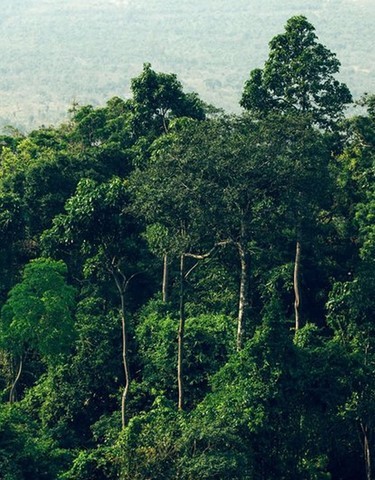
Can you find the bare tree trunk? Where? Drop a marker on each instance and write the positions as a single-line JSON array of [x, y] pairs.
[[297, 286], [124, 362], [165, 278], [366, 451], [181, 328], [181, 332], [243, 303], [12, 394], [121, 287], [164, 120]]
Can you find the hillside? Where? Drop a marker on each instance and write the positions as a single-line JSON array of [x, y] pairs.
[[54, 53], [190, 296]]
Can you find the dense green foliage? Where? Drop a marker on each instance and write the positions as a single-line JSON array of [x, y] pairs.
[[186, 294]]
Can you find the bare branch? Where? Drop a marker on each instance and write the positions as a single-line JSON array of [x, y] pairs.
[[202, 256], [192, 268], [131, 278]]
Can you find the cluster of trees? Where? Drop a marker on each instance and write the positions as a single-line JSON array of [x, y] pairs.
[[187, 294]]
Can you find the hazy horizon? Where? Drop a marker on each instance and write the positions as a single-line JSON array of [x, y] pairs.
[[87, 51]]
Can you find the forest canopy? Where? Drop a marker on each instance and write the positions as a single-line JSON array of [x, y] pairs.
[[187, 293]]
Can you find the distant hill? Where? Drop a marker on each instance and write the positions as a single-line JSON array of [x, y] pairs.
[[56, 52]]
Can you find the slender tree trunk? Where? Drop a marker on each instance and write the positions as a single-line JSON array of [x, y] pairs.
[[366, 451], [12, 394], [124, 362], [297, 286], [165, 278], [121, 287], [243, 303], [164, 119], [181, 332]]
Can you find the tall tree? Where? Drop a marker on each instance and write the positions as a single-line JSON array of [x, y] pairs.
[[170, 193], [298, 78], [208, 185], [97, 222], [158, 98]]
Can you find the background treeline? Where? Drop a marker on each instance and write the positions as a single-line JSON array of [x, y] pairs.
[[54, 53], [187, 294]]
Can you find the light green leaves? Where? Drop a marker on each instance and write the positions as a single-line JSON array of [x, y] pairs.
[[39, 312]]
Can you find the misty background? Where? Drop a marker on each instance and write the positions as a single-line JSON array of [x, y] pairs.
[[56, 52]]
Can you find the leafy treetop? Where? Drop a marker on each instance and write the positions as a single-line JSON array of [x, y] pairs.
[[297, 77]]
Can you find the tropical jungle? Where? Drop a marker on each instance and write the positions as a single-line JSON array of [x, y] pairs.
[[187, 293]]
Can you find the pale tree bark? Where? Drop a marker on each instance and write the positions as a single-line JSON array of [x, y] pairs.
[[297, 286], [243, 297], [181, 328], [181, 333], [243, 302], [122, 283], [12, 394], [124, 362], [165, 279], [366, 451]]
